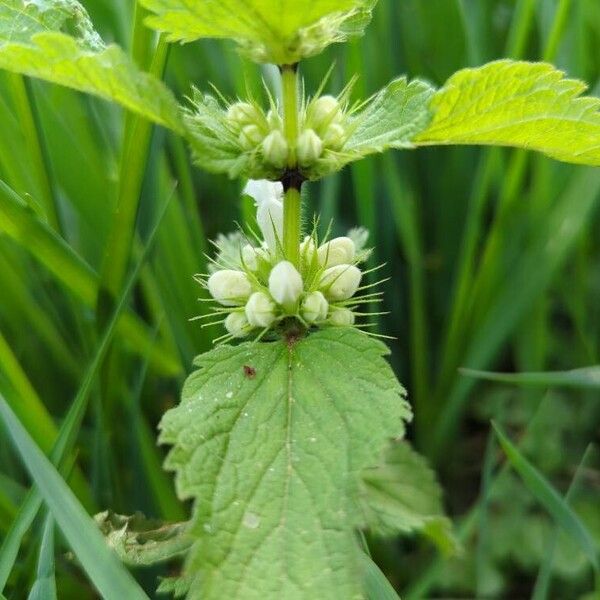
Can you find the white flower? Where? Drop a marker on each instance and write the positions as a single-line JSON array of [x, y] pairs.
[[314, 307], [342, 317], [229, 288], [260, 310], [237, 324], [275, 149], [310, 148], [339, 251], [268, 197], [340, 282], [285, 284]]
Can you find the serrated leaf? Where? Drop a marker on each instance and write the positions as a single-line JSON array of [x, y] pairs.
[[277, 31], [20, 20], [178, 587], [273, 455], [392, 118], [521, 104], [402, 495], [139, 541], [35, 40]]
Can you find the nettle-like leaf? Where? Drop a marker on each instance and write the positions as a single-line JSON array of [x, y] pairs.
[[280, 32], [521, 104], [54, 40], [270, 440], [402, 496], [392, 118]]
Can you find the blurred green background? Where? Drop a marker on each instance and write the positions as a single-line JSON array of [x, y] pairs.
[[494, 259]]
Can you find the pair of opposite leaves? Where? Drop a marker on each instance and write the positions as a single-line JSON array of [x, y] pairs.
[[521, 104]]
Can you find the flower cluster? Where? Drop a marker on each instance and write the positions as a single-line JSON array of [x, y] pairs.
[[324, 127], [256, 288]]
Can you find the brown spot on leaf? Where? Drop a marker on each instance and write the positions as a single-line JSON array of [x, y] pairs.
[[249, 372]]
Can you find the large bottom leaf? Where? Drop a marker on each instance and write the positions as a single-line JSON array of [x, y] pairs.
[[270, 439]]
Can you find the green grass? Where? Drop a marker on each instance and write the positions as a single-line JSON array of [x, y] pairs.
[[494, 259]]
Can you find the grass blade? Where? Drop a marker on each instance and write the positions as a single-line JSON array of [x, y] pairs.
[[587, 377], [70, 426], [549, 498], [377, 586], [44, 587], [80, 531], [19, 223]]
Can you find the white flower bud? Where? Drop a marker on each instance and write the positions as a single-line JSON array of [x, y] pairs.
[[260, 310], [310, 148], [314, 307], [324, 111], [340, 282], [250, 137], [268, 197], [275, 149], [338, 251], [285, 284], [342, 317], [237, 324], [335, 137], [229, 288], [243, 113]]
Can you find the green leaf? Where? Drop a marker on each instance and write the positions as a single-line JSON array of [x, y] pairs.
[[102, 567], [550, 499], [139, 541], [521, 104], [391, 119], [178, 587], [35, 40], [271, 439], [402, 495], [586, 377], [276, 31]]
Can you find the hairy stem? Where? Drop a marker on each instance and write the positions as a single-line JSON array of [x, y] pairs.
[[292, 225], [289, 80]]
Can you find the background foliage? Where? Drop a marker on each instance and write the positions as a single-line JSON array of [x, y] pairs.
[[494, 259]]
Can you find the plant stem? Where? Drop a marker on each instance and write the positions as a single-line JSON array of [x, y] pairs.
[[289, 80], [292, 224]]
